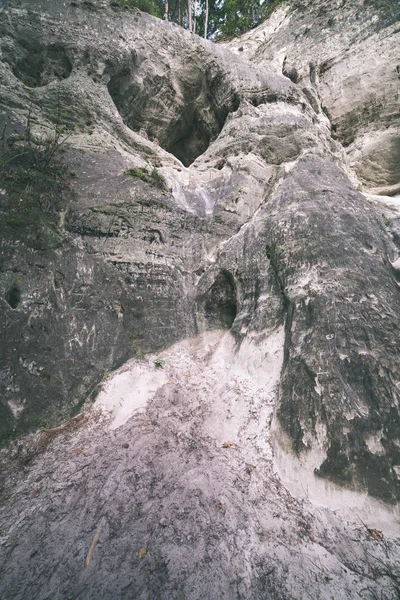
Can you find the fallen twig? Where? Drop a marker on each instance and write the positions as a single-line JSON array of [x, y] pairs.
[[94, 541], [374, 533]]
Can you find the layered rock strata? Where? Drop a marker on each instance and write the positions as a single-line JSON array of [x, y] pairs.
[[185, 192], [344, 55]]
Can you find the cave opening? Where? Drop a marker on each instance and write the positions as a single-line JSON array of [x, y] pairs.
[[191, 136], [183, 126], [13, 296], [40, 66], [218, 306]]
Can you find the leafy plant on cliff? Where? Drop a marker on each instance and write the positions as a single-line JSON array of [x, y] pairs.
[[140, 173], [154, 177], [157, 179]]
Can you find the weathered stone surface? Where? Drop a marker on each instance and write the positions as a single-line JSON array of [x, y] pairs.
[[144, 245], [182, 496], [344, 54], [193, 191]]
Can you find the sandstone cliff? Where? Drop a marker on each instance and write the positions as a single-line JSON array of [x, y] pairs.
[[206, 218]]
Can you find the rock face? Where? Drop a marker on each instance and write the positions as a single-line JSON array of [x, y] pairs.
[[157, 188], [344, 55], [180, 494]]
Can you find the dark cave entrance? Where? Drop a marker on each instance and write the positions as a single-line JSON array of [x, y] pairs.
[[40, 66], [218, 307], [13, 296], [184, 126], [191, 137]]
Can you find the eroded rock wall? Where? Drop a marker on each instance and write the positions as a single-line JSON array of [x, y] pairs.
[[190, 190], [345, 57], [160, 192]]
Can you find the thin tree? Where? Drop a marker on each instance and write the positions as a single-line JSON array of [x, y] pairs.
[[206, 21], [189, 15], [166, 10]]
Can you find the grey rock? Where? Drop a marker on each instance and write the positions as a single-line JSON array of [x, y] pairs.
[[346, 55], [176, 514], [197, 216]]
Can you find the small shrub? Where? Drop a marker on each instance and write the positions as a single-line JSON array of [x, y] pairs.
[[157, 179], [386, 220], [154, 178], [33, 179], [159, 362], [140, 173]]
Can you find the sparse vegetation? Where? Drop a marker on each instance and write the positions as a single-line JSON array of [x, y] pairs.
[[386, 220], [157, 179], [159, 362], [238, 16], [154, 177], [32, 183], [140, 173]]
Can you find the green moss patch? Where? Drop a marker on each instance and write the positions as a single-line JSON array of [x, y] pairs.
[[153, 178]]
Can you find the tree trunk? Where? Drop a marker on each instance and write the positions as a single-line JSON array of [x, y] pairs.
[[194, 16], [166, 10], [206, 21], [190, 15]]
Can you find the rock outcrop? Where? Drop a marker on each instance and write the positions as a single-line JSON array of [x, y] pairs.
[[157, 188], [344, 55]]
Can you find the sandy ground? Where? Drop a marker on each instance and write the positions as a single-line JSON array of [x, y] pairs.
[[170, 488]]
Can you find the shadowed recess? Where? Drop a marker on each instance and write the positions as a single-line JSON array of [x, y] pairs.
[[13, 296], [218, 307], [183, 119], [40, 65]]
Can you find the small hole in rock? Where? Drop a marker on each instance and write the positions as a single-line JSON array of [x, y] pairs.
[[40, 65], [13, 296], [291, 73], [218, 305]]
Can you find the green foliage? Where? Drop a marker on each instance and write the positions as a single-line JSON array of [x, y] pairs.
[[154, 178], [159, 362], [238, 16], [226, 18], [140, 173], [157, 179], [148, 6]]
